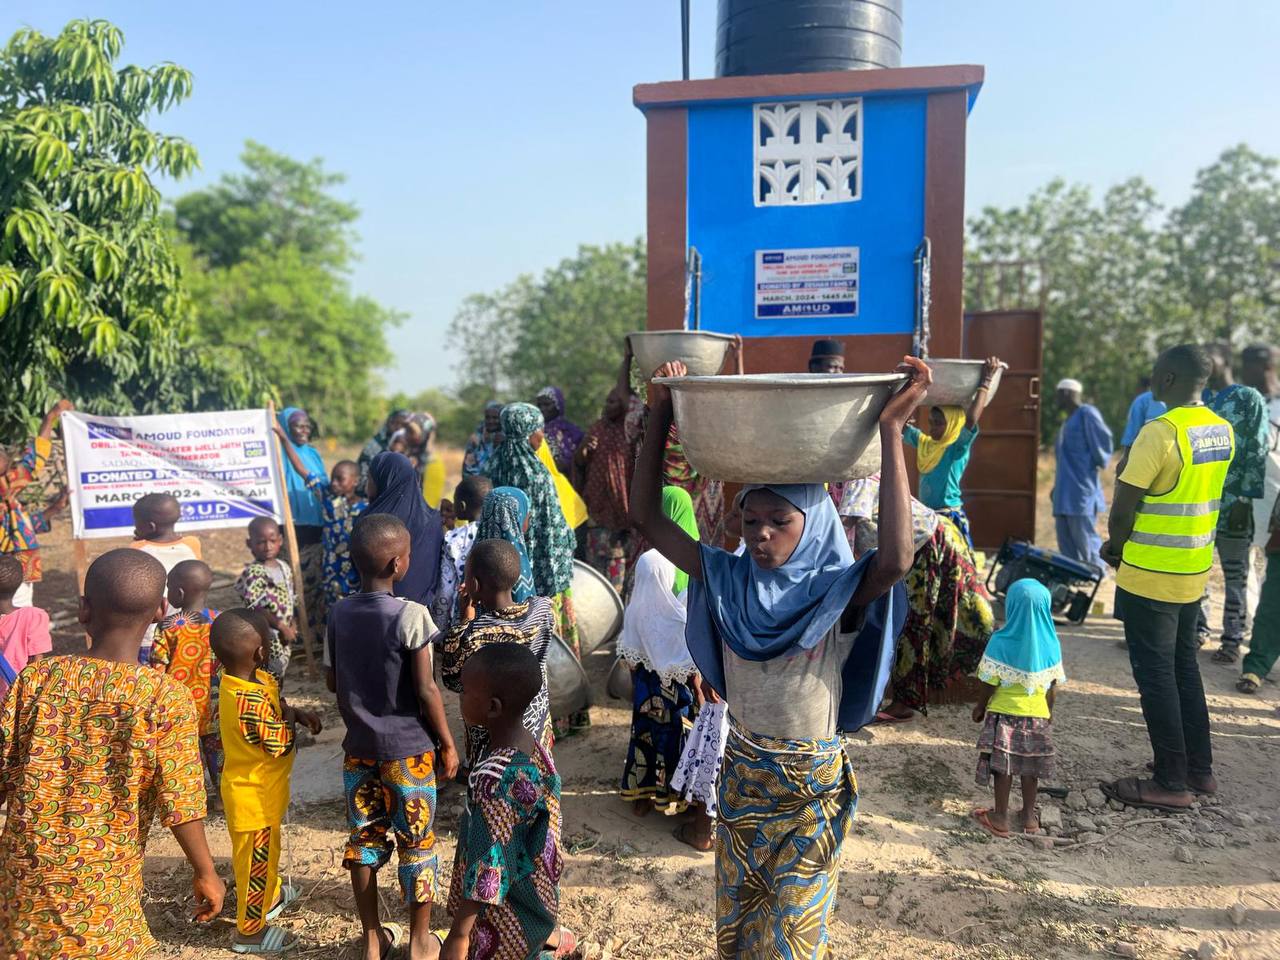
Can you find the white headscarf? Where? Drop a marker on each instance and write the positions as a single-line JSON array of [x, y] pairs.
[[653, 627]]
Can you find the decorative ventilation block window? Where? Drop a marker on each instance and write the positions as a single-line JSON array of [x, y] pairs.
[[808, 152]]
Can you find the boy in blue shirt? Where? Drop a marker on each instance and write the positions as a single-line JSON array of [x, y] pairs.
[[378, 649]]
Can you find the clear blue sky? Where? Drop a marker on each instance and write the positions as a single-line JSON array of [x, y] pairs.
[[481, 141]]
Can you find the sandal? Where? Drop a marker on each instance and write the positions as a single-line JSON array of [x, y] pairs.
[[395, 937], [567, 946], [983, 816], [274, 943], [687, 833], [289, 895], [1225, 654], [1249, 683], [885, 717], [1204, 788], [1128, 790]]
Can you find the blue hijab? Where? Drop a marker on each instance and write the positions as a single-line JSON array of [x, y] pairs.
[[400, 494], [302, 502], [762, 614], [1025, 651], [502, 518]]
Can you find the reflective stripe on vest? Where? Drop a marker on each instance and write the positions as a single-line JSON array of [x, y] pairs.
[[1174, 532]]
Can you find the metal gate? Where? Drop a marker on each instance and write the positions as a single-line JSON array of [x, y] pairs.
[[1000, 483]]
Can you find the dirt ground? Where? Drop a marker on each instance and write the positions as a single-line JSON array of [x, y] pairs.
[[918, 879]]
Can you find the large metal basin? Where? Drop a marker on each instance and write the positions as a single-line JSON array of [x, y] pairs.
[[782, 428], [703, 353], [956, 381], [566, 680], [598, 606]]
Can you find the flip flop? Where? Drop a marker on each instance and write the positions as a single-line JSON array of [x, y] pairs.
[[687, 834], [1151, 768], [395, 934], [883, 717], [1249, 683], [289, 895], [567, 946], [984, 821], [1132, 797], [274, 943]]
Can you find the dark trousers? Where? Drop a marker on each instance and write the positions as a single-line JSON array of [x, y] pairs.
[[1162, 651]]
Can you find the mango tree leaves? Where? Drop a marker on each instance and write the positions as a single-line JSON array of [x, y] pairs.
[[91, 301]]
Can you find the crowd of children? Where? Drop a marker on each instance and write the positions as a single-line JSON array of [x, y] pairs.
[[746, 667]]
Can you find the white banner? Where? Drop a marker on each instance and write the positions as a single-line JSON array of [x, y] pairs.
[[817, 282], [220, 466]]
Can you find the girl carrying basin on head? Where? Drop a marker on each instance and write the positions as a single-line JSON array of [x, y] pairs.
[[797, 638], [943, 448]]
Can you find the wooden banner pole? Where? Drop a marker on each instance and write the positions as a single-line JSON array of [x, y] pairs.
[[80, 552], [295, 561]]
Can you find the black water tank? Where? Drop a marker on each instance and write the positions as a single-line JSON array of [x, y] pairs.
[[806, 36]]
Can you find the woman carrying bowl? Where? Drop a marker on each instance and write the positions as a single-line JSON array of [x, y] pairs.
[[942, 451], [949, 619], [794, 635]]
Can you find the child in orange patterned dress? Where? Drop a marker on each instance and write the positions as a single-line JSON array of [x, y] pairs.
[[93, 747], [182, 650], [155, 517]]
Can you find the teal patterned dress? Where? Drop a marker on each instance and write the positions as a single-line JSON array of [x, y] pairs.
[[508, 856]]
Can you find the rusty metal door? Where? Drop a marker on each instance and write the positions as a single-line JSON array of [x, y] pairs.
[[1000, 483]]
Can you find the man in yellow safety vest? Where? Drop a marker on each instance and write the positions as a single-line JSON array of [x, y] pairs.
[[1162, 527]]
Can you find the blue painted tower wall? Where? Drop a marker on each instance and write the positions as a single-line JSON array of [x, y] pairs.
[[886, 224]]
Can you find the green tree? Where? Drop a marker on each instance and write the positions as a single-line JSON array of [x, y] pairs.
[[1100, 271], [266, 254], [91, 301], [1225, 243], [278, 202], [563, 328]]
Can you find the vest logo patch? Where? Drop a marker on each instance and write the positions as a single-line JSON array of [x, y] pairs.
[[1211, 444]]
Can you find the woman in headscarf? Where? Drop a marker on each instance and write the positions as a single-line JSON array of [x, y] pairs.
[[662, 670], [505, 516], [942, 453], [414, 440], [484, 441], [378, 442], [394, 488], [604, 465], [949, 617], [707, 493], [549, 538], [563, 435], [308, 516], [797, 638]]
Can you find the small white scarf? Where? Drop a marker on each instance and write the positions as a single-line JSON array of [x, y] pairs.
[[653, 627]]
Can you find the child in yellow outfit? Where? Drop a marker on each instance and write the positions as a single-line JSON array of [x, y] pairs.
[[257, 729]]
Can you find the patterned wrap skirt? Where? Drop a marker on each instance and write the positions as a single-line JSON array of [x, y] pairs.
[[785, 808], [661, 715], [949, 619], [1015, 747]]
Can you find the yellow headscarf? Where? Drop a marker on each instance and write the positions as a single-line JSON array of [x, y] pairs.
[[928, 450]]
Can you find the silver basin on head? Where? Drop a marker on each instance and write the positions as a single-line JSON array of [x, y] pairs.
[[956, 381], [703, 353], [783, 427]]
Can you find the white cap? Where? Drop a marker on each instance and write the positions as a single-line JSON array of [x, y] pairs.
[[1073, 386]]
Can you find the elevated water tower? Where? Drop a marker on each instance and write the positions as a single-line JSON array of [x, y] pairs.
[[814, 188]]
